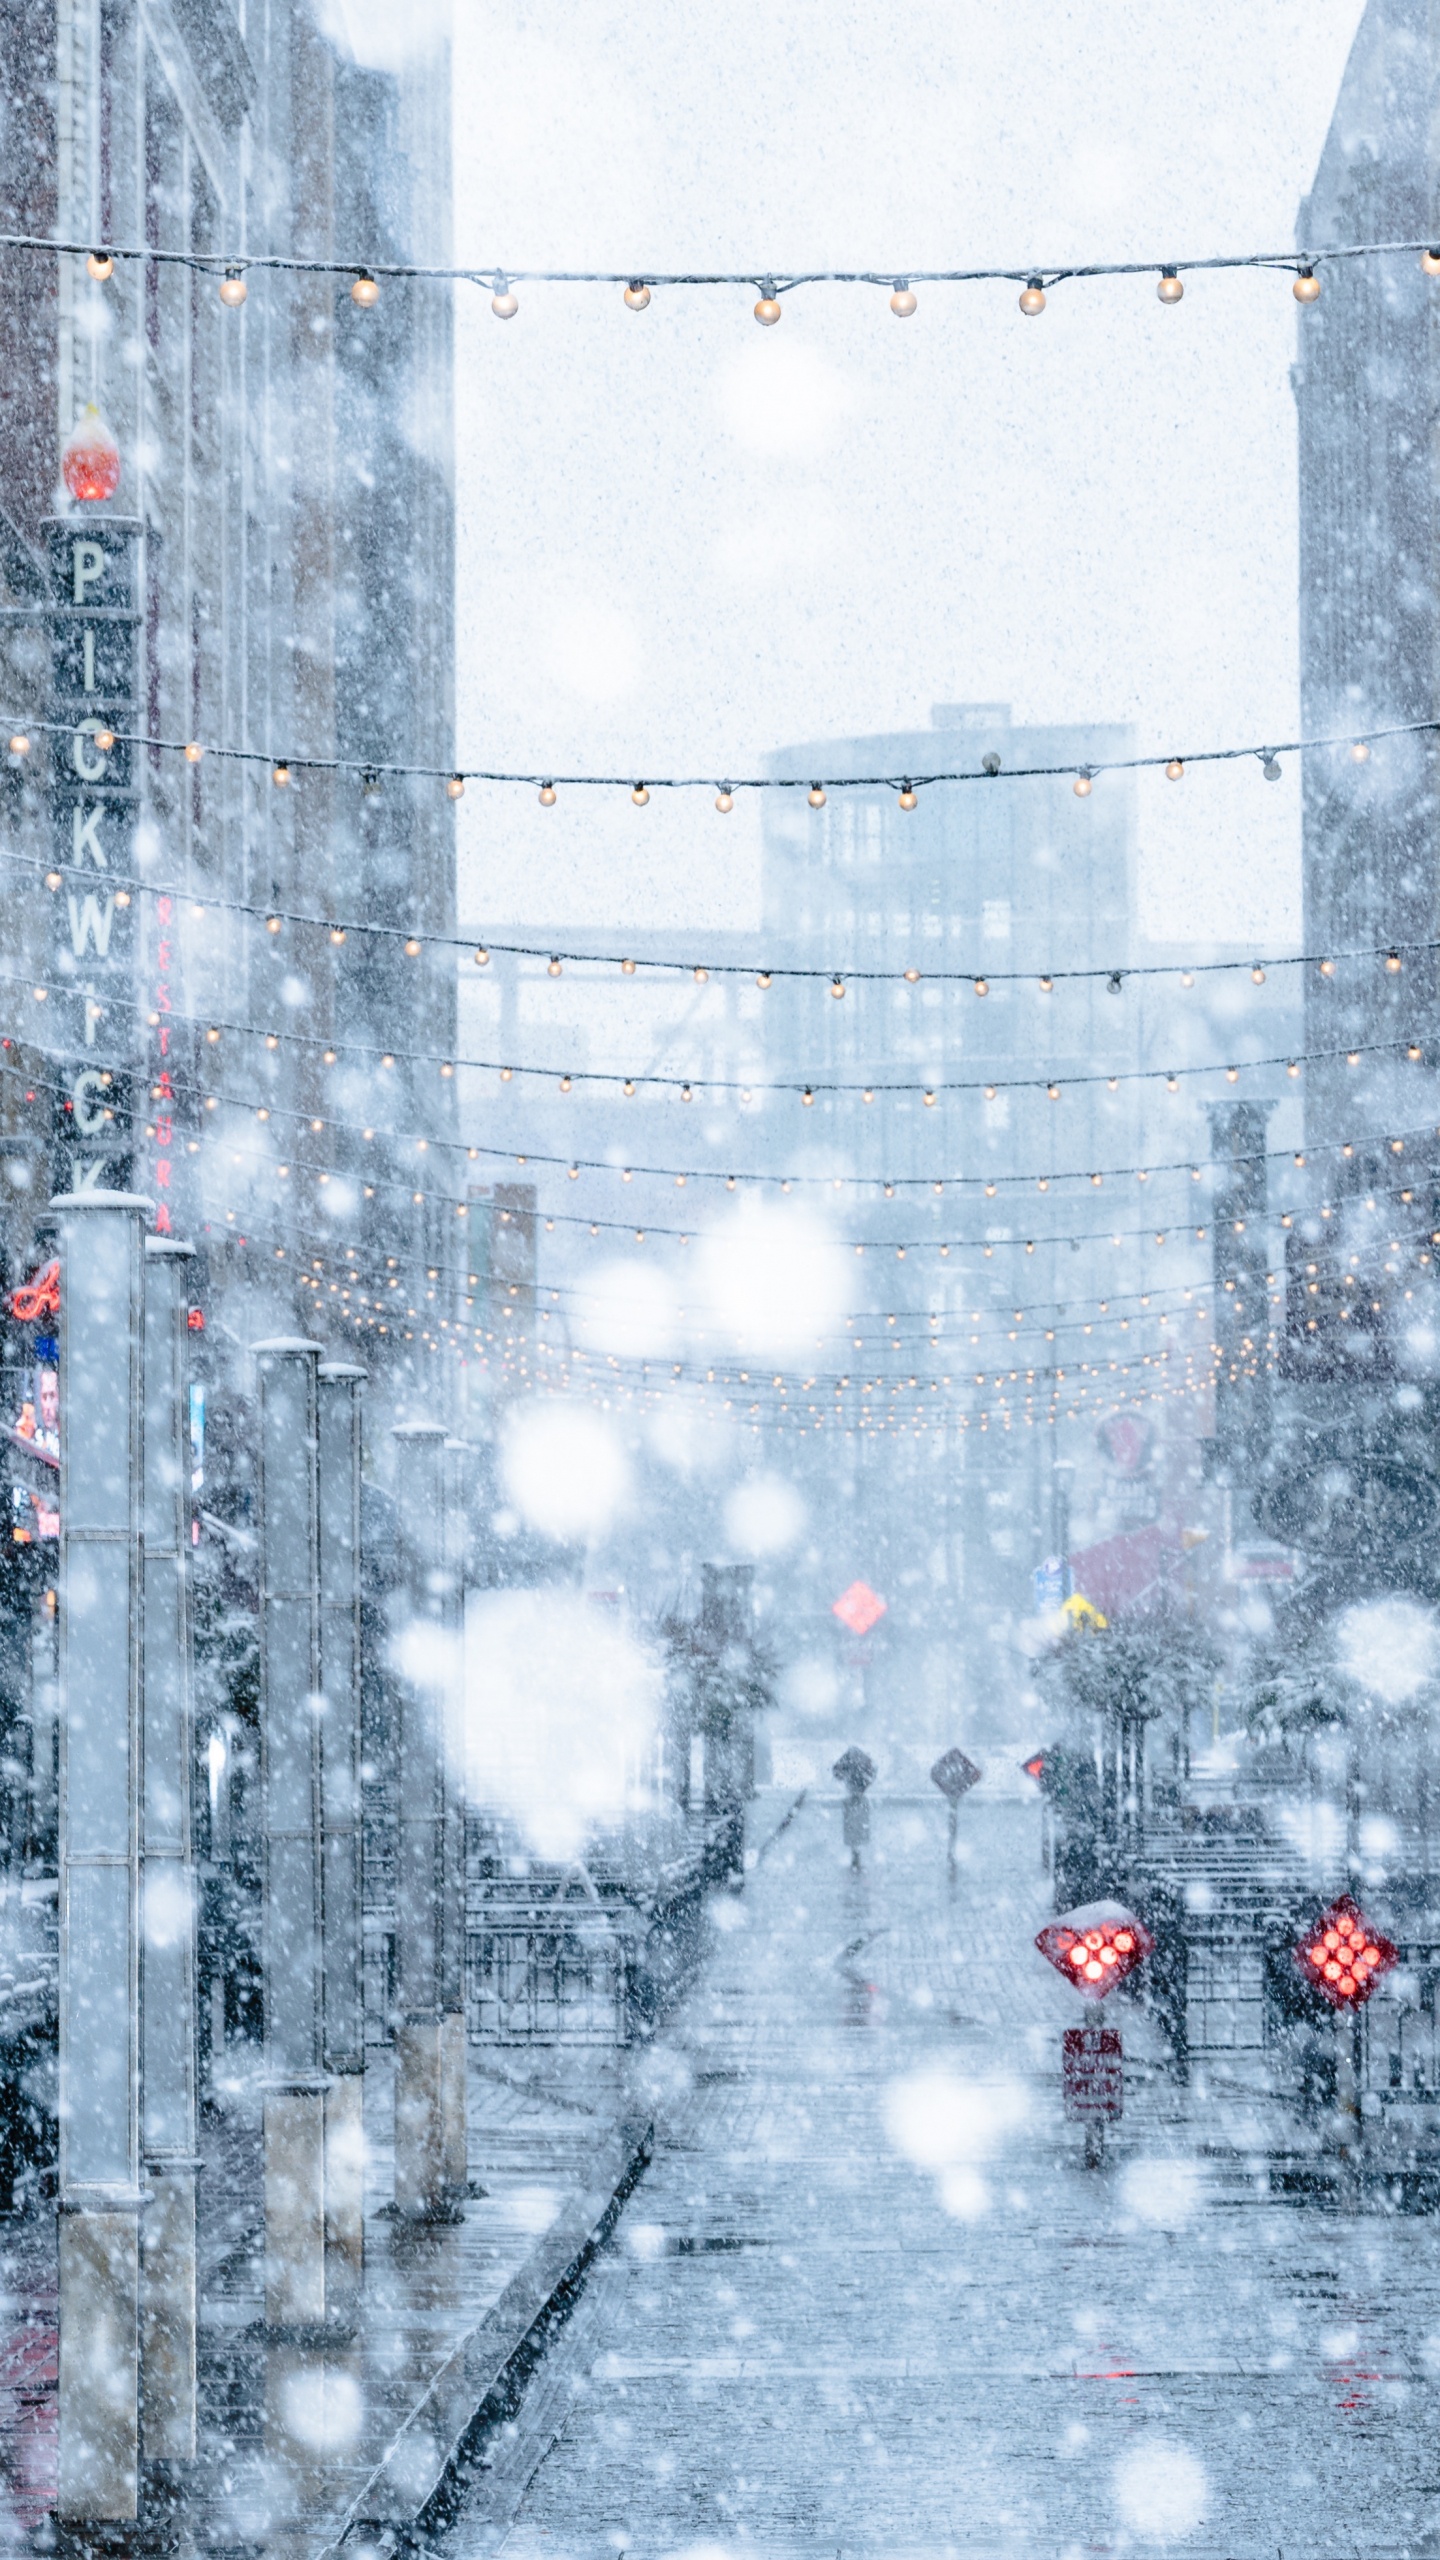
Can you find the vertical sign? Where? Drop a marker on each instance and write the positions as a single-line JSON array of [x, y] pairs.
[[94, 569]]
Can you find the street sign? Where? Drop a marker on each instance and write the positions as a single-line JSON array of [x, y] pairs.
[[1092, 2075], [1048, 1578], [1095, 1947], [859, 1608], [954, 1774], [1342, 1956]]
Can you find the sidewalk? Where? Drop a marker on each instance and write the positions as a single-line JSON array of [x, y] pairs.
[[302, 2445]]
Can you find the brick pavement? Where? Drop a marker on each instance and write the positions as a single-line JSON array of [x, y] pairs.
[[806, 2342]]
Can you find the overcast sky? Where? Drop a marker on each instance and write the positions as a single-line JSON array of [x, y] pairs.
[[685, 540]]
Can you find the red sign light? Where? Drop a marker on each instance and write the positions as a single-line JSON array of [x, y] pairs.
[[859, 1608], [195, 1320], [1095, 1947], [1342, 1956], [1034, 1767]]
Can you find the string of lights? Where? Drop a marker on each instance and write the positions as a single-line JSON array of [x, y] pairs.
[[231, 267], [372, 773], [416, 941]]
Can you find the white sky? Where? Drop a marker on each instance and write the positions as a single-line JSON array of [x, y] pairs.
[[684, 540]]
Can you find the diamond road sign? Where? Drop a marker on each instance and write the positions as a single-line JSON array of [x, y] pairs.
[[859, 1608]]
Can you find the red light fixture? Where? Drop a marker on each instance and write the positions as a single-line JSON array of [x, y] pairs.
[[90, 460], [1342, 1956], [1035, 1766], [1095, 1947]]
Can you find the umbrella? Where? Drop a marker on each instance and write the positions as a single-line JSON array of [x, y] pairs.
[[855, 1770]]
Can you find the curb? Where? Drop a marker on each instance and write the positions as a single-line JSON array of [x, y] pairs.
[[419, 2479]]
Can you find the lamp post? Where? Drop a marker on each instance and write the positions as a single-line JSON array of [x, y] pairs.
[[423, 1916]]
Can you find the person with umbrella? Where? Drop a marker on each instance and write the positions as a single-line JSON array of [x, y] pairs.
[[856, 1771]]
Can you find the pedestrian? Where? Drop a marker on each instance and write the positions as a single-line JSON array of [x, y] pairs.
[[856, 1771]]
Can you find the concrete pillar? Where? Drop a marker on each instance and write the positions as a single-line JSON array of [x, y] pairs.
[[167, 1937], [422, 1910], [100, 1602], [291, 1719], [339, 1417]]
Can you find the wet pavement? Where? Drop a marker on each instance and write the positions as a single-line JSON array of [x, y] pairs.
[[867, 2298]]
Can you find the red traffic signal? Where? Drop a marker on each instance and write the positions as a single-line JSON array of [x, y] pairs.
[[1342, 1955], [1036, 1766], [1096, 1946]]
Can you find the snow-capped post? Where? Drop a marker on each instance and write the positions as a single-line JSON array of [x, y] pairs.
[[100, 1601], [422, 1911], [340, 1385], [456, 2134], [167, 1939], [1094, 1948], [290, 1746]]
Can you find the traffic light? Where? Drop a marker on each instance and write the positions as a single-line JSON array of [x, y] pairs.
[[1038, 1768], [1095, 1947], [1342, 1957]]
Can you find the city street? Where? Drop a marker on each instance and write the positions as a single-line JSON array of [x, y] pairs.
[[856, 2309]]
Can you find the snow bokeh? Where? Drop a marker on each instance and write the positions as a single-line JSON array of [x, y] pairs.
[[561, 1708], [565, 1469]]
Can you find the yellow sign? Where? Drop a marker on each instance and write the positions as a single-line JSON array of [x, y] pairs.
[[1083, 1613]]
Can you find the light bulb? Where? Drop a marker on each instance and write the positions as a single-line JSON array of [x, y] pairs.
[[640, 796], [503, 302], [724, 802], [1430, 262], [686, 1095], [554, 967], [1258, 975], [1032, 300], [902, 300], [1174, 771], [837, 986], [1327, 968], [1360, 752], [365, 292], [1270, 767], [233, 288], [54, 880], [194, 752], [767, 309], [482, 958], [701, 976], [1306, 287], [816, 796], [628, 1086], [455, 787], [272, 924], [1082, 786], [412, 949], [762, 977], [807, 1097], [100, 266], [1047, 986], [1392, 963], [1170, 288], [565, 1084], [280, 775], [908, 797], [19, 744], [627, 968], [547, 795], [337, 934], [928, 1099], [982, 986], [90, 461], [637, 296]]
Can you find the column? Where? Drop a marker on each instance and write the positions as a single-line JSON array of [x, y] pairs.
[[420, 1636], [167, 1938], [455, 2133], [100, 1599], [344, 1994], [290, 1730]]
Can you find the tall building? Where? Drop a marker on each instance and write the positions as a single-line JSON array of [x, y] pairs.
[[1353, 1478]]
